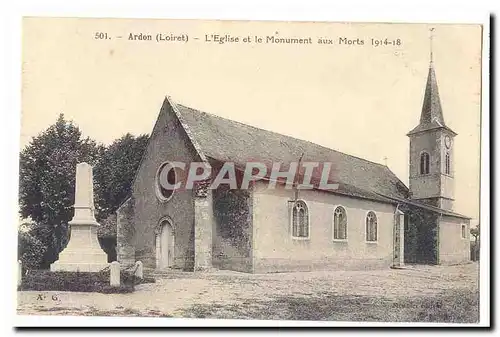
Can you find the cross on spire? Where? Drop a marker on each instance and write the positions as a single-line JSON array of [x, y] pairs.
[[431, 36]]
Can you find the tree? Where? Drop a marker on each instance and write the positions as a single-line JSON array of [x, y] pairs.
[[113, 176], [475, 233], [47, 182], [115, 171]]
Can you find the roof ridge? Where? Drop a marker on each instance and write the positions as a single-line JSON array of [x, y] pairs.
[[295, 138]]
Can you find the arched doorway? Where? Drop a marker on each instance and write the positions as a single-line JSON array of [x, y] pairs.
[[165, 243]]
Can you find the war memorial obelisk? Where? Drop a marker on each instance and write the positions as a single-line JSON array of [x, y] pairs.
[[83, 252]]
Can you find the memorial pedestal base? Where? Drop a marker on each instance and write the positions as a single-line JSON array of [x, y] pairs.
[[83, 252]]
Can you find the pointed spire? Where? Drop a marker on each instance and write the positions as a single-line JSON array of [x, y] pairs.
[[431, 116], [431, 108], [432, 112]]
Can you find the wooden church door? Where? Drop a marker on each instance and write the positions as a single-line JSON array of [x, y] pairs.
[[166, 243]]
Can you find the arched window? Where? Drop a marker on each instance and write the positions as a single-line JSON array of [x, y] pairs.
[[340, 224], [371, 227], [424, 163], [447, 163], [300, 220]]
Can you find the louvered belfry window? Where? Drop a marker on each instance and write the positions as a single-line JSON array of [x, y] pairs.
[[424, 163]]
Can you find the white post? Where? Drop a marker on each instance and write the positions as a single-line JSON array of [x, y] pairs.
[[402, 240], [19, 272], [398, 239], [114, 274], [139, 270]]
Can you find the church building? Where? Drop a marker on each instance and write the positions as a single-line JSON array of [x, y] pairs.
[[371, 220]]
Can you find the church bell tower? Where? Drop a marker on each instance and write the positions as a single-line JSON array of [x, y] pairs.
[[431, 151]]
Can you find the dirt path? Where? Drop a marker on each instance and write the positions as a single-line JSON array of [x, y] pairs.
[[173, 296]]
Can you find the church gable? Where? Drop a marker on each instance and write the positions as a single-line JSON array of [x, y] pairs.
[[168, 142], [170, 131]]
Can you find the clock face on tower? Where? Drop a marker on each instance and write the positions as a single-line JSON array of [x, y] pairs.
[[447, 141]]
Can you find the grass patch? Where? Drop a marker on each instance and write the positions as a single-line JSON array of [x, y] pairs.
[[53, 309], [45, 280], [122, 313], [457, 306]]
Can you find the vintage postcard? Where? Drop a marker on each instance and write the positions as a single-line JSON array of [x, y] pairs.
[[251, 170]]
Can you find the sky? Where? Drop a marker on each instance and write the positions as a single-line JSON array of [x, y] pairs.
[[358, 99]]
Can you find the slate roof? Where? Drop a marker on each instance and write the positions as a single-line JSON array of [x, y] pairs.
[[431, 116], [225, 140]]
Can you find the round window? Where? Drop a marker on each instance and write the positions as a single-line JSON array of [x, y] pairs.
[[165, 181]]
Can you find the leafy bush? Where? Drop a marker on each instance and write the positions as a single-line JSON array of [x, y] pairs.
[[107, 228], [30, 250], [44, 280]]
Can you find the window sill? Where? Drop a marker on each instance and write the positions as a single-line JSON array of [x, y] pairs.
[[372, 242], [301, 238], [340, 240]]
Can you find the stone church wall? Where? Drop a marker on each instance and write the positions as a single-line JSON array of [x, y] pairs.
[[452, 247], [125, 233], [232, 237], [276, 250]]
